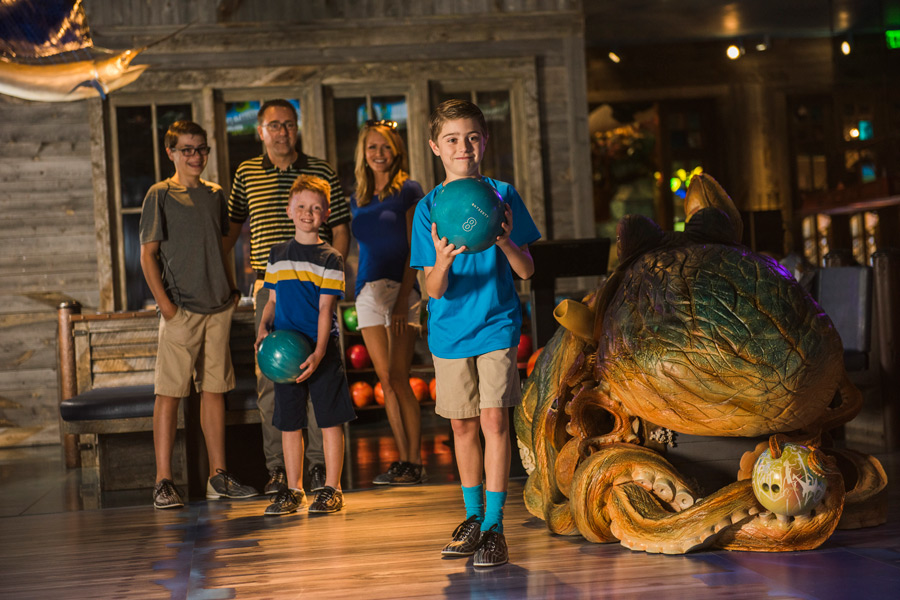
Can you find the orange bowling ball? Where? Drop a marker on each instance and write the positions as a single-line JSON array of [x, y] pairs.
[[419, 388], [531, 362], [362, 394], [379, 394], [432, 389]]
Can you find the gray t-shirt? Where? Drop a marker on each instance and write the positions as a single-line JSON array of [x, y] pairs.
[[189, 223]]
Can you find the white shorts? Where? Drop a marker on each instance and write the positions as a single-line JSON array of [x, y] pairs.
[[375, 303]]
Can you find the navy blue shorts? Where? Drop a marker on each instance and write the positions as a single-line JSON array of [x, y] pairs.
[[327, 388]]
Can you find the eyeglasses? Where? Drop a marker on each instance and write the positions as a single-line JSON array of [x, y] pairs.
[[382, 122], [275, 126], [190, 150]]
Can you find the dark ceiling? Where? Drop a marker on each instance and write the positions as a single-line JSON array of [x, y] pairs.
[[627, 22]]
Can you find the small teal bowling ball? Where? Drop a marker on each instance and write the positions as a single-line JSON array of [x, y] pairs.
[[281, 353], [351, 321], [470, 213]]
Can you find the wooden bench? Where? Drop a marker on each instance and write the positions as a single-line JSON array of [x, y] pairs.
[[106, 364]]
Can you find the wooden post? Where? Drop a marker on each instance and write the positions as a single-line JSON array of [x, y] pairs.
[[886, 264], [68, 385]]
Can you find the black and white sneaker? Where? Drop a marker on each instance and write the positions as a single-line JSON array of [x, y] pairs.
[[465, 538], [277, 480], [492, 550], [224, 484], [165, 495], [387, 478], [329, 500], [285, 501]]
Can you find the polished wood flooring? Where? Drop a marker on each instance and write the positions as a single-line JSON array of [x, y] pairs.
[[385, 544]]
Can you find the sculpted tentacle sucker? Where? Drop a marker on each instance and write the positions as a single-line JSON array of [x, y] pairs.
[[695, 334]]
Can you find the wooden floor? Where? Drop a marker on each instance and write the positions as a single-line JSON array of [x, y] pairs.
[[385, 544]]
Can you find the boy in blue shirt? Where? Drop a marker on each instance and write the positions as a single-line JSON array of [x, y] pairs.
[[474, 324], [305, 277]]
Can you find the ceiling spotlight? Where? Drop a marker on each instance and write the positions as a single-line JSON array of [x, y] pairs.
[[845, 47], [734, 51], [764, 44], [614, 57]]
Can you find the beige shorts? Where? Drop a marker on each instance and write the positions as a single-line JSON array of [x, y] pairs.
[[465, 386], [375, 304], [194, 344]]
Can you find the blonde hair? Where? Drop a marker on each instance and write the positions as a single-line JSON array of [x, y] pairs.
[[313, 184], [365, 178]]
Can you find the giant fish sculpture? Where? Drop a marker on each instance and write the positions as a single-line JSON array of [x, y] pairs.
[[694, 334], [66, 82]]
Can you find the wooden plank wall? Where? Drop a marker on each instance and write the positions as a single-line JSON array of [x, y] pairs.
[[47, 255]]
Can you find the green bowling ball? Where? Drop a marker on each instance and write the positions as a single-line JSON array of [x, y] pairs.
[[470, 213], [351, 322]]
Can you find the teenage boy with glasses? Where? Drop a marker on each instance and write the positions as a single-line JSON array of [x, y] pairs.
[[183, 223]]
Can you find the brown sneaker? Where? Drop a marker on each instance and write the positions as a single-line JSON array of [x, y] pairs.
[[409, 474], [329, 500], [492, 550], [465, 538]]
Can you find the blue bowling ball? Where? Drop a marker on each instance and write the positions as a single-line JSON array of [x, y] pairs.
[[470, 213], [281, 353]]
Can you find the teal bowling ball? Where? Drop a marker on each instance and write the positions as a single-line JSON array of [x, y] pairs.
[[351, 321], [281, 353], [470, 213]]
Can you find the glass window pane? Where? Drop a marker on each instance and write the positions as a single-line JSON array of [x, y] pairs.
[[136, 289], [499, 160], [165, 116], [349, 116], [136, 171]]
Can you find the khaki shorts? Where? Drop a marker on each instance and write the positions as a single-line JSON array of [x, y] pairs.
[[375, 304], [194, 343], [465, 386]]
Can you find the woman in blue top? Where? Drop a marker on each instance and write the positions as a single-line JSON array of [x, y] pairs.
[[387, 296]]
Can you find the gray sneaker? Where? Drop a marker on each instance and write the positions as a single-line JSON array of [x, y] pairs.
[[387, 478], [465, 540], [329, 500], [317, 478], [492, 550], [224, 484], [165, 495], [277, 480], [285, 501]]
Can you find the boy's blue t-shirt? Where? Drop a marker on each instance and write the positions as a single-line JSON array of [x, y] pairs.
[[299, 274], [480, 312], [380, 229]]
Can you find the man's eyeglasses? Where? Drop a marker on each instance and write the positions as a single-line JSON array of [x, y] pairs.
[[382, 122], [275, 126], [190, 150]]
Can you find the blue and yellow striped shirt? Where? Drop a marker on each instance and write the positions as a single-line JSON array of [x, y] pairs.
[[299, 274]]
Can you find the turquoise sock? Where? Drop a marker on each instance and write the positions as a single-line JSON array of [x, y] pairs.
[[493, 510], [474, 500]]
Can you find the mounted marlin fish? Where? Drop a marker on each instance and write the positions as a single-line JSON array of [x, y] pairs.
[[36, 32]]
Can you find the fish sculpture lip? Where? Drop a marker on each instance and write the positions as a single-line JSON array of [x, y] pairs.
[[67, 82]]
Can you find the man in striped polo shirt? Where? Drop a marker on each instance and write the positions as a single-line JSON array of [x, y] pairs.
[[260, 191]]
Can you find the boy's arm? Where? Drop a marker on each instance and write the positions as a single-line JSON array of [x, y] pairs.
[[153, 275], [437, 278], [265, 322], [327, 303], [518, 256]]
